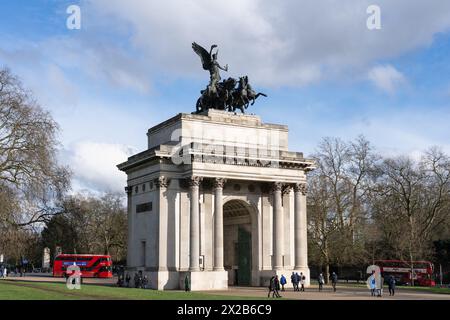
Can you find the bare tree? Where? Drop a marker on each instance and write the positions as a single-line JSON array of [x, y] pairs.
[[322, 222], [413, 198], [95, 224], [338, 199], [29, 171]]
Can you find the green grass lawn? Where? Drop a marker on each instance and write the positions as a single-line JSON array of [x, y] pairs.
[[22, 290], [427, 289]]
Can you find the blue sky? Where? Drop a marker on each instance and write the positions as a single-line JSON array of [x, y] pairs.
[[130, 66]]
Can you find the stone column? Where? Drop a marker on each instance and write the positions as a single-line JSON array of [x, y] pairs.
[[218, 224], [162, 206], [129, 191], [300, 226], [278, 227], [194, 234]]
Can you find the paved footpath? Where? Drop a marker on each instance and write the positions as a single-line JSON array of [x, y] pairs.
[[343, 293]]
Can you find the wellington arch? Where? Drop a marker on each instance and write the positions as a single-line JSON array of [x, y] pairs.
[[217, 197]]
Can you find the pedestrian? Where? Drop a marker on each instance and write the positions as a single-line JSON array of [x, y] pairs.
[[321, 280], [293, 278], [282, 282], [297, 281], [119, 281], [5, 272], [391, 283], [144, 282], [271, 286], [380, 286], [187, 283], [1, 271], [276, 287], [127, 280], [334, 280], [371, 283], [136, 280], [302, 281]]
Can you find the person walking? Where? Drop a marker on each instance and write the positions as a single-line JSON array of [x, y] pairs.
[[302, 281], [127, 280], [271, 286], [321, 280], [276, 287], [136, 280], [119, 281], [144, 282], [293, 278], [334, 280], [391, 284], [5, 272], [282, 282], [380, 286], [372, 283], [187, 283], [297, 281]]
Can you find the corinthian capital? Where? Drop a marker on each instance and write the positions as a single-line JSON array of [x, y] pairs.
[[219, 183], [162, 182], [194, 181], [286, 189], [301, 187], [277, 186]]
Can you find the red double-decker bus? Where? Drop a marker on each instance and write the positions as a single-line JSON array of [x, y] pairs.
[[401, 271], [91, 265]]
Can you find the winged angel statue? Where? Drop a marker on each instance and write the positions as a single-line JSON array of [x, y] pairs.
[[222, 95]]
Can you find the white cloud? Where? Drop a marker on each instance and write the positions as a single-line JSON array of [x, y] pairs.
[[94, 165], [386, 77], [131, 44], [276, 43]]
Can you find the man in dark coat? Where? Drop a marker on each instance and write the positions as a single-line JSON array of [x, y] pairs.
[[298, 278], [334, 280], [276, 287], [391, 284], [187, 284], [293, 278], [271, 286]]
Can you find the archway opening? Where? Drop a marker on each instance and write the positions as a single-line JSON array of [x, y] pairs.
[[237, 226]]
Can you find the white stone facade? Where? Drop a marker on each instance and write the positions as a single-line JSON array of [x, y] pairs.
[[219, 197]]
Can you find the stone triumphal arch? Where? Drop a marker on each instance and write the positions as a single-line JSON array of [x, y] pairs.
[[217, 197]]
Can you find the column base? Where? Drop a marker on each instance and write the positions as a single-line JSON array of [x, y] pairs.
[[205, 280], [174, 280], [194, 269], [159, 280], [218, 269]]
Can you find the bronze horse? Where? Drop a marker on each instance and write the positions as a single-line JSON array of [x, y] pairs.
[[243, 95]]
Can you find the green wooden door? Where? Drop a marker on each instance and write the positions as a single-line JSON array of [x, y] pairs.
[[244, 257]]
